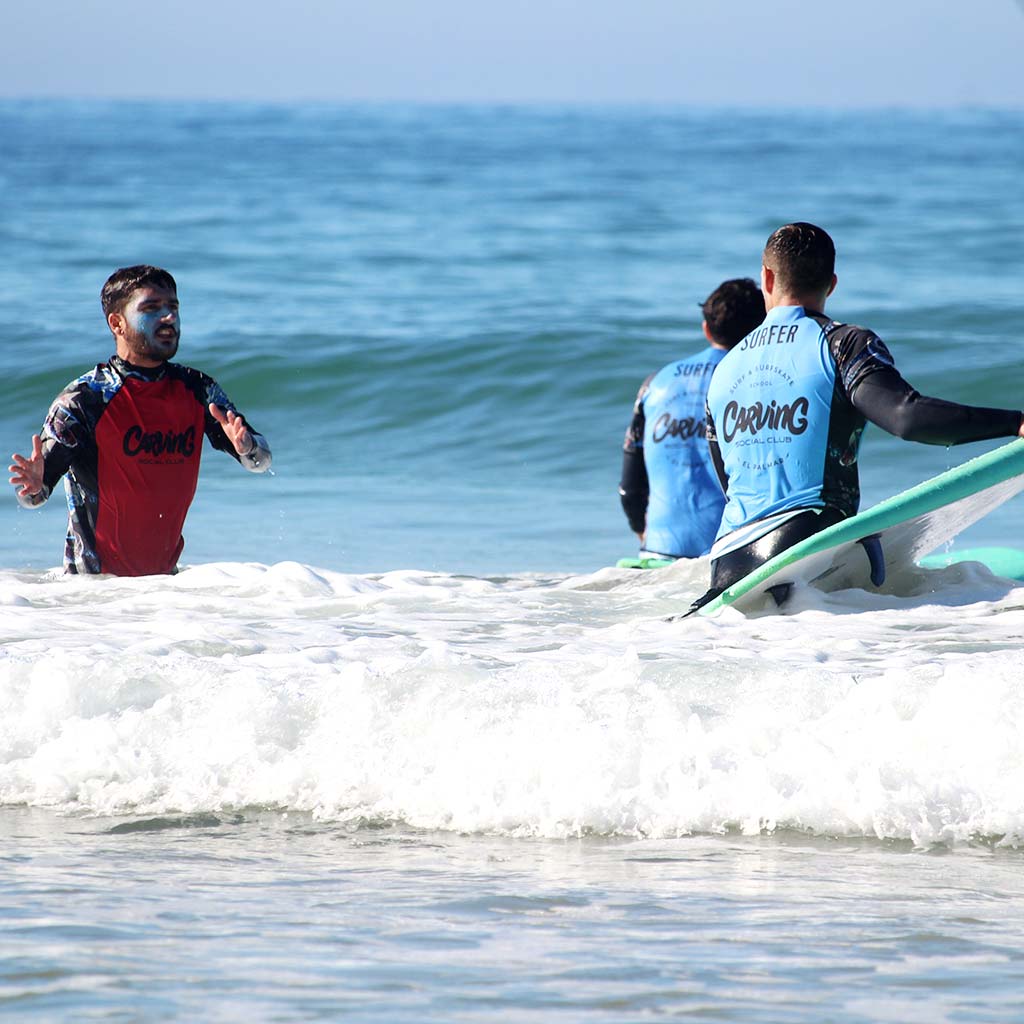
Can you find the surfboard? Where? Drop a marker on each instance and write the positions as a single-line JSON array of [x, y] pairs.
[[650, 562], [894, 534], [1001, 561]]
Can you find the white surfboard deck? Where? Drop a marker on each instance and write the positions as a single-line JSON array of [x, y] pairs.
[[909, 525]]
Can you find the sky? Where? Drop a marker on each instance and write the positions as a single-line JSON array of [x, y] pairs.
[[749, 53]]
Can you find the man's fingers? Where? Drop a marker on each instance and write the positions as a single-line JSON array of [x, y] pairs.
[[27, 473], [23, 461], [226, 417], [22, 480]]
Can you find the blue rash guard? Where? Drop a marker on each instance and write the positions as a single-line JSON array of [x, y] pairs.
[[669, 486], [786, 410]]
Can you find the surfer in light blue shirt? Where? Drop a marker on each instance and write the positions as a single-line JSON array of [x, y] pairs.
[[787, 407], [670, 493]]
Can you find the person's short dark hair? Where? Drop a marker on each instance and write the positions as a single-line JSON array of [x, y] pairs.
[[122, 283], [733, 310], [802, 256]]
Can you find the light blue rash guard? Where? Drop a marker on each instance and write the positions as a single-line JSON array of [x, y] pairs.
[[788, 405], [685, 500], [771, 410]]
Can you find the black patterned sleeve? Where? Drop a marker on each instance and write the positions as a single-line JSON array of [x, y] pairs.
[[207, 391], [67, 432], [878, 391]]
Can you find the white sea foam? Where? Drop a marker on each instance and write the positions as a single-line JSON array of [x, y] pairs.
[[523, 705]]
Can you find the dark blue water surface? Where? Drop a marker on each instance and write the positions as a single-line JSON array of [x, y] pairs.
[[439, 316]]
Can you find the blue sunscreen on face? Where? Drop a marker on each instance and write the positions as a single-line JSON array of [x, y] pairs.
[[149, 321]]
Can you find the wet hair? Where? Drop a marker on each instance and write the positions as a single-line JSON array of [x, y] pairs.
[[733, 310], [122, 283], [803, 258]]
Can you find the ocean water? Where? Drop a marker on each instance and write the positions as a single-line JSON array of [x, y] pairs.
[[397, 744]]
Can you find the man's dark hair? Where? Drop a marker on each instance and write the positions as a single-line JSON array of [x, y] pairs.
[[803, 258], [733, 310], [121, 283]]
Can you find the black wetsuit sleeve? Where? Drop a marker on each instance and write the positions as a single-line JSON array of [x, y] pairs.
[[57, 458], [715, 449], [67, 432], [880, 394], [634, 489], [206, 391], [634, 486]]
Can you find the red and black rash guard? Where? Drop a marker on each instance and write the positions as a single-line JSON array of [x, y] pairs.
[[130, 439]]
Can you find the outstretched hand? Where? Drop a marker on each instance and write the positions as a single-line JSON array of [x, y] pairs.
[[27, 474], [235, 428]]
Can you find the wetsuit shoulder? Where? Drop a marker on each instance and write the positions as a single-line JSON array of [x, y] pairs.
[[635, 431], [206, 391], [880, 394], [199, 384], [75, 411], [645, 389], [856, 351], [102, 377]]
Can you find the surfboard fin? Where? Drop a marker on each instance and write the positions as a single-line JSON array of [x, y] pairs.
[[876, 557]]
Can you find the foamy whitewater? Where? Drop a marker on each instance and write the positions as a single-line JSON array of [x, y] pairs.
[[520, 706]]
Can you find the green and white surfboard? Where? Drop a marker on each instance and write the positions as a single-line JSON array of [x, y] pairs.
[[649, 562], [894, 534], [1003, 561]]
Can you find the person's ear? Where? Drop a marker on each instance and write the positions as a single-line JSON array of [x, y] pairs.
[[832, 286], [707, 330]]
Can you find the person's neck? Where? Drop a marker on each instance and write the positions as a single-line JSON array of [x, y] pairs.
[[815, 302], [149, 367], [140, 364]]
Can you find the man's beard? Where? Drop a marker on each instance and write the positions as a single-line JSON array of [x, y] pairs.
[[157, 348]]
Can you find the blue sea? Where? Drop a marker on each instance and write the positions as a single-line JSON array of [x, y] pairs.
[[399, 743]]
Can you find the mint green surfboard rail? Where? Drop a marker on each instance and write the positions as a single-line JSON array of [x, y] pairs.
[[912, 524], [644, 563], [1002, 561]]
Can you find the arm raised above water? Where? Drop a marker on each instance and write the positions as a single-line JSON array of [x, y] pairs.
[[879, 392]]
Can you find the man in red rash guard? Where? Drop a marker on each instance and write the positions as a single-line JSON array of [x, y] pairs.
[[129, 436]]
